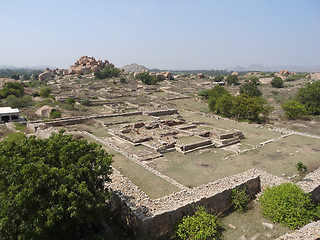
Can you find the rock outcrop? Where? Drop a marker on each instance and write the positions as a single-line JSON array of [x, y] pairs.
[[134, 68], [43, 112], [46, 75]]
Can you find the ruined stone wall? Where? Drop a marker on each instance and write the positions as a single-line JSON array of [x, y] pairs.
[[196, 145], [156, 217], [311, 184], [162, 112]]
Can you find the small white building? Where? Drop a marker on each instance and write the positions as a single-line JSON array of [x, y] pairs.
[[8, 114]]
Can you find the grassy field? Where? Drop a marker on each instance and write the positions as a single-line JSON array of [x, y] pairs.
[[253, 135], [249, 225], [211, 164], [148, 182]]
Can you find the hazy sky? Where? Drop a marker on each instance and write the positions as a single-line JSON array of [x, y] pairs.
[[165, 34]]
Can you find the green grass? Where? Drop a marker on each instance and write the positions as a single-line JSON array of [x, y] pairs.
[[211, 165], [249, 224], [190, 105], [190, 139], [148, 182], [253, 135]]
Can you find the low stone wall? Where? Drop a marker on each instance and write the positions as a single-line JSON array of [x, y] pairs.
[[155, 218], [195, 145], [162, 112], [311, 184], [81, 119], [309, 232]]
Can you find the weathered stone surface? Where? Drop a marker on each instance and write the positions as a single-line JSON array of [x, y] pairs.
[[44, 112]]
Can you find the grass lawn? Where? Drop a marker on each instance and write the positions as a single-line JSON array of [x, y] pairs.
[[148, 182], [280, 157], [249, 225]]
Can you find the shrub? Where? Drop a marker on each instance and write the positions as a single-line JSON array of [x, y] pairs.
[[232, 80], [309, 96], [45, 92], [12, 88], [302, 169], [251, 89], [288, 205], [85, 102], [146, 78], [123, 80], [107, 72], [239, 199], [70, 101], [201, 226], [15, 102], [204, 93], [218, 78], [55, 113], [277, 82], [294, 109]]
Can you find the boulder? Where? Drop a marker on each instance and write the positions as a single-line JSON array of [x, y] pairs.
[[43, 112], [45, 76]]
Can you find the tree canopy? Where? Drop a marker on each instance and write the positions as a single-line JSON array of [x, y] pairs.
[[277, 82], [251, 89], [107, 72], [48, 187], [146, 78], [309, 96], [12, 88]]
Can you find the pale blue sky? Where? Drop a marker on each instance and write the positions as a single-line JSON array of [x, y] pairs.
[[165, 34]]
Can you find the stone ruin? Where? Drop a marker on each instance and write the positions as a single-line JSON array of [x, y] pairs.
[[168, 135], [83, 65], [155, 218]]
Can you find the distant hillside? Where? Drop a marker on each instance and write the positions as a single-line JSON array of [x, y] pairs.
[[134, 68], [261, 68], [40, 67]]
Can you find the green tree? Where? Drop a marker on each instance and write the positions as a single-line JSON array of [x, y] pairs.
[[204, 93], [55, 113], [254, 79], [48, 187], [251, 108], [232, 80], [251, 89], [277, 82], [218, 78], [302, 169], [107, 72], [294, 109], [289, 205], [309, 96], [70, 101], [45, 92], [224, 105], [15, 76], [15, 102], [214, 94], [146, 78], [12, 88], [200, 226]]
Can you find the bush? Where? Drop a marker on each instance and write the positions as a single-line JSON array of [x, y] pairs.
[[204, 93], [239, 199], [15, 102], [55, 113], [45, 92], [302, 169], [232, 80], [12, 88], [123, 80], [146, 78], [70, 101], [218, 78], [201, 226], [277, 82], [251, 89], [309, 96], [288, 205], [107, 72], [294, 109], [85, 102]]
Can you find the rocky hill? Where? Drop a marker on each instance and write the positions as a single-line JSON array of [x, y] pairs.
[[134, 68]]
